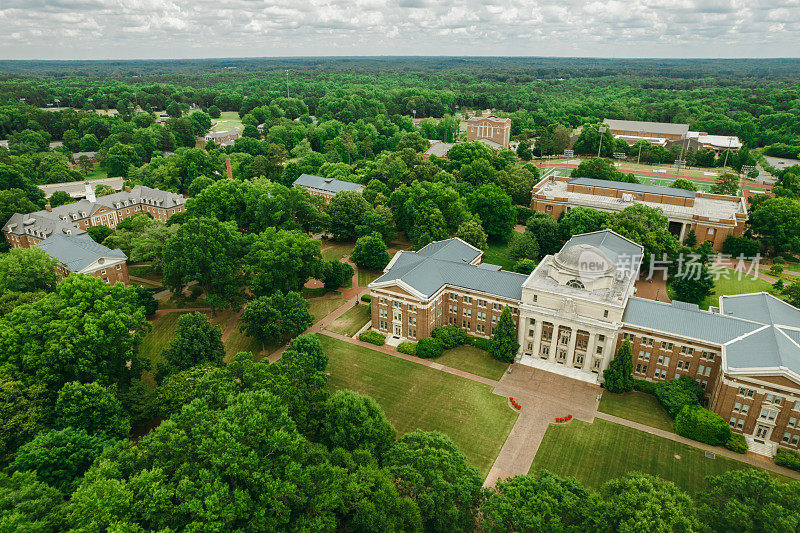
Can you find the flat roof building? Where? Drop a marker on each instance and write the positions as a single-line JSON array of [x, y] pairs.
[[712, 216], [635, 130]]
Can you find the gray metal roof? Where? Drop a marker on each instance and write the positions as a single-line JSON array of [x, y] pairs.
[[756, 329], [77, 251], [327, 184], [448, 263], [686, 320], [647, 127], [633, 187]]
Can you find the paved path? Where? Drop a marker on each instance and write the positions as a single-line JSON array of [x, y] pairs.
[[544, 396], [145, 280], [751, 459], [234, 321]]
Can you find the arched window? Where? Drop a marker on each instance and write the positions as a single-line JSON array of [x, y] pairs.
[[575, 284]]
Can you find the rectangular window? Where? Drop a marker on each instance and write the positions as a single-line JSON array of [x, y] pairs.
[[740, 424], [638, 368], [745, 408], [708, 371], [792, 422], [794, 440], [786, 437], [737, 407], [732, 422]]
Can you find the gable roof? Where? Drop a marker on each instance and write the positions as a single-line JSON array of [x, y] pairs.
[[77, 252], [448, 262], [647, 127], [759, 332], [633, 187], [326, 184]]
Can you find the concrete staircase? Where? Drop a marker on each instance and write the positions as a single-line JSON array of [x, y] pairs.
[[766, 448]]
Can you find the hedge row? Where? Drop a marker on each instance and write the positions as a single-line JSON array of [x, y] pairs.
[[366, 298], [479, 342], [409, 348], [700, 424], [450, 336], [429, 348], [788, 458], [373, 337]]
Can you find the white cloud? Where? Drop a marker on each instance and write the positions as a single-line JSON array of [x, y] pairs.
[[99, 29]]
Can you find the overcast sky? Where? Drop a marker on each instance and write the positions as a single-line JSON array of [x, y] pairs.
[[130, 29]]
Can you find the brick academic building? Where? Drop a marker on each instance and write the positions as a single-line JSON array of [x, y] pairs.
[[61, 231], [713, 217], [578, 306]]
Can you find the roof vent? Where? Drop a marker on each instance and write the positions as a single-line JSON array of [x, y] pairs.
[[328, 180], [28, 221]]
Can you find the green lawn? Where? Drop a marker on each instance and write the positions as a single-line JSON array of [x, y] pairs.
[[157, 340], [352, 321], [365, 277], [596, 452], [317, 292], [473, 360], [95, 172], [497, 254], [417, 397], [228, 120], [334, 251], [322, 308], [734, 285], [667, 181], [240, 342], [638, 407], [143, 271]]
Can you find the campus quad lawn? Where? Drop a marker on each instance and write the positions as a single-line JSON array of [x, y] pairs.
[[351, 321], [473, 360], [238, 341], [322, 308], [497, 254], [417, 397], [638, 407], [595, 453], [733, 285], [334, 251], [365, 277]]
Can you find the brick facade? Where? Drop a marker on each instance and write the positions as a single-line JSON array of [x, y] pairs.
[[497, 130]]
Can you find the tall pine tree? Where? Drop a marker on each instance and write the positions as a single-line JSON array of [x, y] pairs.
[[619, 374], [504, 345]]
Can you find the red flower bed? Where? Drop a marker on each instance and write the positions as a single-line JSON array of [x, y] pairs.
[[563, 419], [515, 404]]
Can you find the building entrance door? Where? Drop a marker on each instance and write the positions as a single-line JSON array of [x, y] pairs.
[[398, 330], [762, 433]]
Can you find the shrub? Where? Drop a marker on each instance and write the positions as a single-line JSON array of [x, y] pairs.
[[737, 443], [700, 424], [779, 261], [736, 246], [524, 266], [366, 298], [523, 214], [788, 458], [479, 342], [642, 385], [618, 377], [775, 269], [677, 393], [429, 348], [504, 345], [372, 337], [450, 336], [409, 348]]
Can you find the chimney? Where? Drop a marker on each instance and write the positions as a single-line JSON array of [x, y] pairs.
[[47, 206], [89, 192], [228, 168]]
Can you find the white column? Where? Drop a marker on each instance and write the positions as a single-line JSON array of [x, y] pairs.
[[537, 337], [573, 339], [590, 350]]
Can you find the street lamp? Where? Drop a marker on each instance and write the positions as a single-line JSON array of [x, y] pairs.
[[602, 130], [730, 141]]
